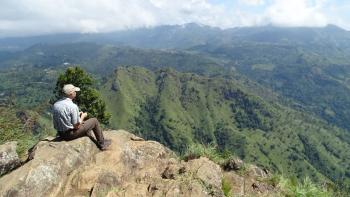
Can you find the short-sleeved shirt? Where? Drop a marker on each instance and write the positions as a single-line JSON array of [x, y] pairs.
[[65, 115]]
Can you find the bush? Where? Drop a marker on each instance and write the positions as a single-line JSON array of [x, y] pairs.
[[194, 151], [304, 189]]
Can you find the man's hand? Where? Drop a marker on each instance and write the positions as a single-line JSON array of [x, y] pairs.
[[83, 114], [81, 120]]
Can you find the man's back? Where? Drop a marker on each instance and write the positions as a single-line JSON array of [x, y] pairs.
[[65, 114]]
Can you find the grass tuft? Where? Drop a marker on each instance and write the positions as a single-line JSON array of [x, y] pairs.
[[306, 188], [195, 151], [226, 187]]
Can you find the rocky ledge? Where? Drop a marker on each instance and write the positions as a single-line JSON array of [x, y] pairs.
[[131, 167]]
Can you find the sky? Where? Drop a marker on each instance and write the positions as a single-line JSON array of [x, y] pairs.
[[37, 17]]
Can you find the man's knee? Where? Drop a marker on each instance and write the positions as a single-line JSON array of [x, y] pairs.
[[94, 120]]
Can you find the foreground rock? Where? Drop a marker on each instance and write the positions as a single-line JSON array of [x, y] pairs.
[[251, 181], [8, 157], [129, 168]]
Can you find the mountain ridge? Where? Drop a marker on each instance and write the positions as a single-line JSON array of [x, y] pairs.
[[169, 36], [182, 108]]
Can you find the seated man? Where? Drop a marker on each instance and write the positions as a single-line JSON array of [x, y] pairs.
[[69, 122]]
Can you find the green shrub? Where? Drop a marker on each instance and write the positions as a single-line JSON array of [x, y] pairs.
[[304, 189], [210, 151], [274, 180], [88, 99]]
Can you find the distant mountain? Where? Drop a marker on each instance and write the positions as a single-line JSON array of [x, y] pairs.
[[290, 35], [104, 58], [20, 43], [177, 36], [189, 35]]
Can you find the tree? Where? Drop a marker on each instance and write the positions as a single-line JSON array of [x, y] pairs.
[[88, 98]]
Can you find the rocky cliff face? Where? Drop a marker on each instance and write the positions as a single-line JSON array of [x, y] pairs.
[[131, 167]]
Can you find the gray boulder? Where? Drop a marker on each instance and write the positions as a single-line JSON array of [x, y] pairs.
[[9, 159]]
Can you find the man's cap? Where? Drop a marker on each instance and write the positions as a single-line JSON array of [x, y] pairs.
[[69, 88]]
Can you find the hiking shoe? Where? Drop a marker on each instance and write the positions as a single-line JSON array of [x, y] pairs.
[[105, 144]]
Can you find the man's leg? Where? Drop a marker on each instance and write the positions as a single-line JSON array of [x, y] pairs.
[[87, 126], [94, 125]]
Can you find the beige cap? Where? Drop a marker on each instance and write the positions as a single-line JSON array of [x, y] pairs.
[[69, 88]]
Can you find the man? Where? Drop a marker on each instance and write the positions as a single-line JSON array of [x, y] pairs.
[[69, 122]]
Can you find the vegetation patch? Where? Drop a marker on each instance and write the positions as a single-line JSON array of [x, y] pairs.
[[226, 187]]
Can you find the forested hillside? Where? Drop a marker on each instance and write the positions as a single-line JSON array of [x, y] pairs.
[[179, 109]]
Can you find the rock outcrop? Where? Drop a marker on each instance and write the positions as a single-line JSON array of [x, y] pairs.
[[131, 167], [249, 182], [8, 157]]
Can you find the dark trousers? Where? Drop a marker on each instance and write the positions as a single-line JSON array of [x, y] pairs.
[[84, 130]]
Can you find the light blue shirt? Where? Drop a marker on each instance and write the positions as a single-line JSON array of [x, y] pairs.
[[65, 114]]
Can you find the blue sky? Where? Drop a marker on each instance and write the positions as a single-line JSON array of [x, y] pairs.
[[35, 17]]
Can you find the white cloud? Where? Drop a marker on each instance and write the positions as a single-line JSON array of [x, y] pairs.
[[28, 17], [252, 2], [45, 16], [296, 13]]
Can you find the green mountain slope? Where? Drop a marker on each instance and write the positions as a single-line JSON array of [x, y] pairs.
[[178, 109], [316, 81]]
